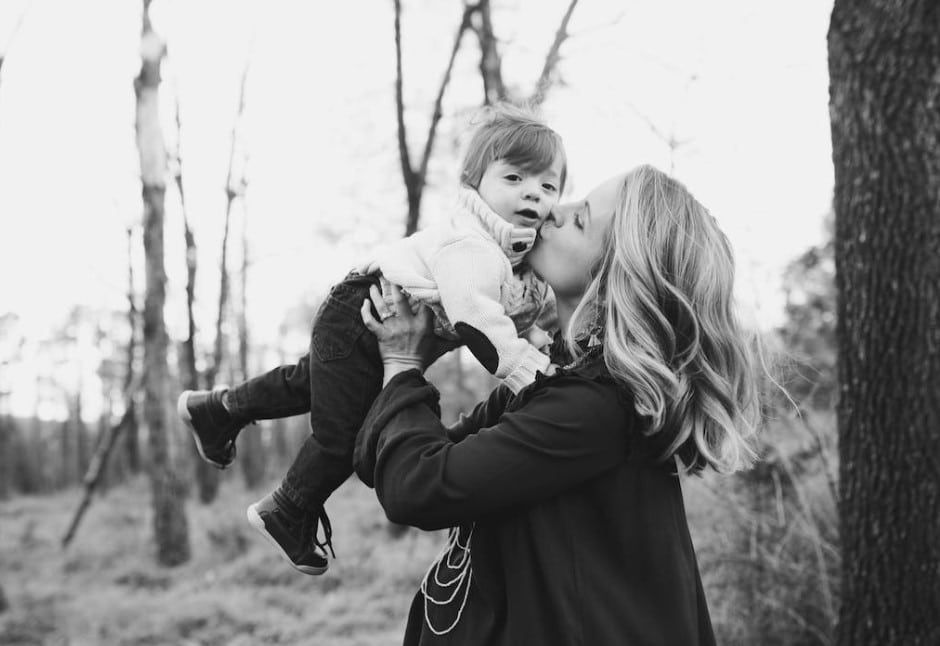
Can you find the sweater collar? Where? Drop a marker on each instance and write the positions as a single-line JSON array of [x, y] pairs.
[[514, 241]]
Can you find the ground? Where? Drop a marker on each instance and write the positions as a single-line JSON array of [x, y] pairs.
[[105, 588]]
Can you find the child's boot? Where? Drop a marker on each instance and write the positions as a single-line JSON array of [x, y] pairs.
[[211, 425], [292, 531]]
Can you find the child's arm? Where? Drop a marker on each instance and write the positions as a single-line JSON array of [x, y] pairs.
[[469, 275]]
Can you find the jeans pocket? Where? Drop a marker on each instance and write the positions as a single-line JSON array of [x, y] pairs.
[[338, 326]]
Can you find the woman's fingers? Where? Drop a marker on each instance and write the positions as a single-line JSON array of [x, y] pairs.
[[399, 302], [367, 319]]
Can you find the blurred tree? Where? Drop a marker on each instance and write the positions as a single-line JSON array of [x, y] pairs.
[[131, 429], [6, 454], [809, 330], [3, 54], [884, 64], [207, 477], [171, 530], [111, 432]]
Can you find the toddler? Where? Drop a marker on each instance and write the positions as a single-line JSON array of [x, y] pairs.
[[469, 271]]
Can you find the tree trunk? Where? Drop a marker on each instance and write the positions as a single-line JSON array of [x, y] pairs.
[[884, 63], [6, 456], [253, 453], [415, 178], [132, 432], [546, 78], [171, 530], [207, 476], [491, 67]]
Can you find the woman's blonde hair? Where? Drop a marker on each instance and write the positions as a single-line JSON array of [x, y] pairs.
[[661, 297]]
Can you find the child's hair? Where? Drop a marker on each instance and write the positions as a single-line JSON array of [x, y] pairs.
[[662, 296], [516, 135]]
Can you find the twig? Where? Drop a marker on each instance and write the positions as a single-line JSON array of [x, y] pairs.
[[552, 57]]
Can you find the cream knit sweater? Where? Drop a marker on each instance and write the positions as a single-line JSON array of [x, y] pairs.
[[464, 271]]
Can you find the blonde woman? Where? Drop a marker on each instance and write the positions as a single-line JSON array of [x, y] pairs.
[[571, 526]]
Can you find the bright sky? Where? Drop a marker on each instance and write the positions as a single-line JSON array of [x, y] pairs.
[[742, 85]]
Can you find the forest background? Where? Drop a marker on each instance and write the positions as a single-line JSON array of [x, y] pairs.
[[283, 165]]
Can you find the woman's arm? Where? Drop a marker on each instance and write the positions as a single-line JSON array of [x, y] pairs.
[[484, 414], [569, 430]]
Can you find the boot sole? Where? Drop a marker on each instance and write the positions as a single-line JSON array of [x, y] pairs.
[[187, 419], [255, 519]]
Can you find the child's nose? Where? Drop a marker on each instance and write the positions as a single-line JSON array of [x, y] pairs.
[[530, 190]]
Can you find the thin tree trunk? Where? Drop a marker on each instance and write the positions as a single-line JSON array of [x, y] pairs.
[[252, 454], [207, 476], [96, 469], [171, 531], [491, 66], [65, 474], [81, 438], [884, 64], [6, 456], [213, 370], [3, 55], [131, 432], [547, 77], [415, 179]]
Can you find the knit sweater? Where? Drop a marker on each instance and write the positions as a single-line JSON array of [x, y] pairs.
[[464, 270]]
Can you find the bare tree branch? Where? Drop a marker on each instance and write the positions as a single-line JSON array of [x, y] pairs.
[[670, 139], [552, 57], [235, 184], [414, 179], [406, 168], [16, 29], [490, 63]]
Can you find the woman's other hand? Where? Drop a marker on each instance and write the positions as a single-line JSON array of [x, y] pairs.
[[406, 339]]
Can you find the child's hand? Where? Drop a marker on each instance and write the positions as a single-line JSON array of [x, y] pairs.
[[551, 369]]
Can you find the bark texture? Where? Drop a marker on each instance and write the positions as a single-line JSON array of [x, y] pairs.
[[884, 61], [171, 531]]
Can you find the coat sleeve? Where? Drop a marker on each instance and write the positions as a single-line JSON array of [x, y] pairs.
[[484, 414], [568, 430], [470, 281]]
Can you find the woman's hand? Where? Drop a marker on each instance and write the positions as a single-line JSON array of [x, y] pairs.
[[406, 339]]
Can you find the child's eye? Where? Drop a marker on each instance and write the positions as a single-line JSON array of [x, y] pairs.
[[513, 177], [550, 187]]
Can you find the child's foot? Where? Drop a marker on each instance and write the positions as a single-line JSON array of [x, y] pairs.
[[295, 538], [212, 426]]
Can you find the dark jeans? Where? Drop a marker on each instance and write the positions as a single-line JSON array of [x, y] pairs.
[[337, 381]]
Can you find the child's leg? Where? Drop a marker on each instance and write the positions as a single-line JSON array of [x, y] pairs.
[[345, 373], [345, 378], [215, 418], [281, 392]]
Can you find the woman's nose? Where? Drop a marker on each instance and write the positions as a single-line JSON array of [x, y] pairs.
[[560, 214]]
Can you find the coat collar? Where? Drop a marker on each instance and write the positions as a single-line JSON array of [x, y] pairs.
[[514, 241]]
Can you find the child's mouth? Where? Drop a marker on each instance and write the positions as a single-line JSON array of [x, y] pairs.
[[528, 214]]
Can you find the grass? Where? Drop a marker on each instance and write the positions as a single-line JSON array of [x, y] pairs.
[[106, 589], [764, 542]]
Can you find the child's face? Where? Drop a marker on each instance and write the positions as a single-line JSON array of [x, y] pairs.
[[520, 197]]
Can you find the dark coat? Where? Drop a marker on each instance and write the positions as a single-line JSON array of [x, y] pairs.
[[579, 536]]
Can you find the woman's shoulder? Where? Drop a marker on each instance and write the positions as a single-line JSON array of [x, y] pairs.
[[587, 387]]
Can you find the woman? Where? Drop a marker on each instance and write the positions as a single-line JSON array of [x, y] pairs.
[[572, 527]]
